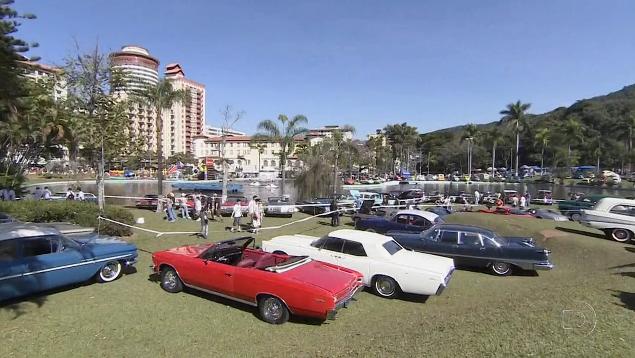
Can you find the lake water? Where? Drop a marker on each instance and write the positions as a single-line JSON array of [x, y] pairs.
[[137, 188]]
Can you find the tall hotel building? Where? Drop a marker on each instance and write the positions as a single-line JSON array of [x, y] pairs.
[[186, 119], [138, 69]]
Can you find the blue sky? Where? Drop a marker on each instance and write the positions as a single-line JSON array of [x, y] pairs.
[[366, 63]]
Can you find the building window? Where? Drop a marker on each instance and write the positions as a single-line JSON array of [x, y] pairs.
[[273, 163], [265, 163]]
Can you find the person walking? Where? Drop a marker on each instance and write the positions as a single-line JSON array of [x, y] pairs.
[[515, 201], [70, 195], [204, 217], [335, 215], [214, 207], [198, 206], [169, 208], [80, 195], [251, 209], [257, 218], [37, 194], [46, 194], [523, 202], [185, 210], [477, 197], [237, 213]]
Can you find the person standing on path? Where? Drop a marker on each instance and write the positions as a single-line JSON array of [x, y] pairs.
[[523, 202], [80, 195], [477, 197], [251, 209], [198, 206]]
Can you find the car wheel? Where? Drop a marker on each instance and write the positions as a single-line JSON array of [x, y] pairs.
[[289, 216], [501, 268], [273, 310], [109, 272], [386, 287], [576, 217], [278, 252], [621, 235], [371, 230], [170, 280]]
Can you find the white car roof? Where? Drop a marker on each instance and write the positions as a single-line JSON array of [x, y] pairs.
[[606, 204], [17, 230], [363, 237], [425, 214]]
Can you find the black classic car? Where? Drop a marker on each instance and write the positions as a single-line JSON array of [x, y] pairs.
[[472, 246], [314, 206]]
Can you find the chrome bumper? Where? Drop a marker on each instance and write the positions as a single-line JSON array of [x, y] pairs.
[[343, 303], [131, 261], [543, 266]]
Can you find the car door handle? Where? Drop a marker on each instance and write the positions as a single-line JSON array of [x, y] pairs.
[[228, 274]]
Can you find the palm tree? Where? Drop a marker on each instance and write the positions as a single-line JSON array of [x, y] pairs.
[[469, 134], [542, 136], [494, 136], [160, 96], [260, 147], [284, 135], [402, 138], [515, 114]]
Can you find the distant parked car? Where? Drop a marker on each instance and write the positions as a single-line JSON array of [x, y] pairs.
[[572, 208], [407, 220], [6, 218], [279, 206], [544, 197], [36, 258], [149, 201], [548, 214], [314, 206], [227, 208], [278, 284], [614, 216], [473, 246], [386, 266]]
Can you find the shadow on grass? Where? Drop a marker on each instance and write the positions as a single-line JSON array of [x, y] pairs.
[[627, 299], [518, 272], [20, 306], [580, 232]]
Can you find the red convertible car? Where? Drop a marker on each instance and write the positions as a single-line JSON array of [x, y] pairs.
[[279, 285]]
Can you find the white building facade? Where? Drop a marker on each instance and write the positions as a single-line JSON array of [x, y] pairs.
[[315, 136]]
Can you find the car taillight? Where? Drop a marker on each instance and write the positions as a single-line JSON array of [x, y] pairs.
[[547, 252]]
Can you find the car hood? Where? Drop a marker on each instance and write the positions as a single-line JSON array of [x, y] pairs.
[[519, 242], [328, 277], [293, 240], [99, 245], [426, 262]]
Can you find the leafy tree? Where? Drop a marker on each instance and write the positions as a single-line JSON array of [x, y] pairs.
[[260, 147], [402, 139], [515, 113], [160, 97], [282, 132]]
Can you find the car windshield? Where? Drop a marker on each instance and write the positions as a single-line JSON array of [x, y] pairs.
[[291, 262], [392, 246]]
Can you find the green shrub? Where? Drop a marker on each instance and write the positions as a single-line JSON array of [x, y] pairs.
[[76, 212]]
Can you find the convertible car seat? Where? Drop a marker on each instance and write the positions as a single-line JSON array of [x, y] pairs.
[[265, 261], [246, 263]]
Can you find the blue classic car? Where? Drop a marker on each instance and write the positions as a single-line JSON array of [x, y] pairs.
[[404, 220], [35, 258], [472, 246]]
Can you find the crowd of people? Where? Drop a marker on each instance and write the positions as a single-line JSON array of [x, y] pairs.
[[206, 208]]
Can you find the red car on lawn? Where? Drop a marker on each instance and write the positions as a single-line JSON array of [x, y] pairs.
[[506, 210], [278, 284]]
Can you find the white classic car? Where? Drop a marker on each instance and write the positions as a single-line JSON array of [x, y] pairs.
[[387, 267], [614, 216]]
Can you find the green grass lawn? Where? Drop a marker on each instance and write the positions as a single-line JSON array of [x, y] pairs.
[[478, 315]]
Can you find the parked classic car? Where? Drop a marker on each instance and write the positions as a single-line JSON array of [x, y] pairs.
[[279, 285], [477, 247], [614, 216], [572, 208], [544, 197], [314, 206], [36, 258], [387, 267], [227, 207], [149, 201], [279, 206], [407, 220]]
